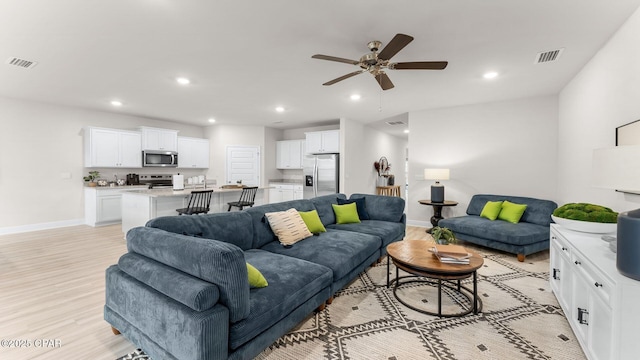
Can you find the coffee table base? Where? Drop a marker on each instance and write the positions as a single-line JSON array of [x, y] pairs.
[[440, 281]]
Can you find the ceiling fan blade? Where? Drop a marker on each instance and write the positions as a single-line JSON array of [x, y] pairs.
[[333, 58], [419, 65], [394, 46], [343, 77], [384, 81]]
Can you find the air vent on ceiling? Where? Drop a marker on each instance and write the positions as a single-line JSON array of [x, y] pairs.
[[548, 56], [26, 64], [396, 123]]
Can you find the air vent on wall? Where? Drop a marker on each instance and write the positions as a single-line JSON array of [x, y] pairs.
[[26, 64], [548, 56], [396, 123]]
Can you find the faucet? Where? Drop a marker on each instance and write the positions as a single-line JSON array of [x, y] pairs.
[[205, 182]]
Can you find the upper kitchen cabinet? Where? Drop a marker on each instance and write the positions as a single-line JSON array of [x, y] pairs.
[[323, 142], [289, 154], [193, 153], [159, 139], [112, 148]]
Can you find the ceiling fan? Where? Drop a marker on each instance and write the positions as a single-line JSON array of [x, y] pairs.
[[376, 62]]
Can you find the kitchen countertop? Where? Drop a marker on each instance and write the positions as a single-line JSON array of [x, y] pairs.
[[286, 181], [165, 192]]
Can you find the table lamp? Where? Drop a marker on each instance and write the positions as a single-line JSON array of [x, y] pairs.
[[619, 168], [437, 190]]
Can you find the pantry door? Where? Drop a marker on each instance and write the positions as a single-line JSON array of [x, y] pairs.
[[243, 163]]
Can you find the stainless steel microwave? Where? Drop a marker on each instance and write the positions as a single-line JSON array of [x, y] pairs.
[[159, 158]]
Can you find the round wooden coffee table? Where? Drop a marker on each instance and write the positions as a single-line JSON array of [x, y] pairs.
[[414, 257]]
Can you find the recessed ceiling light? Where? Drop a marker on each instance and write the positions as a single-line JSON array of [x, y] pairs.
[[355, 97], [183, 81], [279, 109], [212, 120], [406, 131], [490, 75], [116, 103]]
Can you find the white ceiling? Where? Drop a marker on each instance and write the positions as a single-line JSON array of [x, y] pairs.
[[247, 57]]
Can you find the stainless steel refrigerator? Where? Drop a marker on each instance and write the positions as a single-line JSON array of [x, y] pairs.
[[321, 175]]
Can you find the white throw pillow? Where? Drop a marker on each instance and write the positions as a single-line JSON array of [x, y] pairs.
[[288, 226]]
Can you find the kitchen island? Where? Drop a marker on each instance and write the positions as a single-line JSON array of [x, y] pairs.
[[140, 206]]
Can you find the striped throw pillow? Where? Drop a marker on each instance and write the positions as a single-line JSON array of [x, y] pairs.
[[288, 226]]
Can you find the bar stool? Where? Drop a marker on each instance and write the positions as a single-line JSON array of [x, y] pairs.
[[247, 198], [199, 202]]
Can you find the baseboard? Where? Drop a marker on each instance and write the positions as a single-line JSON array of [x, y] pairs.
[[418, 223], [41, 226]]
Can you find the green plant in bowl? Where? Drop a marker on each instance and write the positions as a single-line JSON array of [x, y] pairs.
[[93, 175], [586, 212], [443, 235]]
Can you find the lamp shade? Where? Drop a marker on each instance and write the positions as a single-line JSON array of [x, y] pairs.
[[436, 174], [617, 168]]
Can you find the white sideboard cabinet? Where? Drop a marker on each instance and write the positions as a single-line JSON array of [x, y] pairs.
[[601, 305]]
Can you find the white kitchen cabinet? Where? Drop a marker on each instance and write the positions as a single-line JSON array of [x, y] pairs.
[[280, 192], [599, 302], [323, 142], [109, 148], [289, 154], [298, 192], [193, 153], [102, 206], [159, 139]]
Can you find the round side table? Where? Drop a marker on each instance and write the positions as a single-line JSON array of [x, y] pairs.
[[437, 209]]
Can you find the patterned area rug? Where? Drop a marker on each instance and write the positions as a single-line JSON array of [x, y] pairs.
[[520, 319]]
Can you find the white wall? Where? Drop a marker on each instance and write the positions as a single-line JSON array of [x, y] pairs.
[[603, 95], [506, 148], [40, 144], [364, 145]]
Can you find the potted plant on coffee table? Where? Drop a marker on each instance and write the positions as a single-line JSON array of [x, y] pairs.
[[443, 235]]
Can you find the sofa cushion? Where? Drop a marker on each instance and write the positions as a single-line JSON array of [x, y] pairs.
[[491, 210], [288, 226], [312, 220], [214, 261], [538, 211], [361, 204], [511, 212], [233, 228], [385, 208], [291, 283], [385, 230], [323, 205], [256, 279], [346, 214], [262, 233], [518, 234], [340, 251]]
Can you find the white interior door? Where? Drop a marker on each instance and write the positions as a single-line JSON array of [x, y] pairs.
[[243, 163]]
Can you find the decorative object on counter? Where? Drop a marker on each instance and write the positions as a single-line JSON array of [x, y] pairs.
[[133, 179], [382, 166], [102, 182], [586, 217], [437, 190], [93, 175], [443, 235]]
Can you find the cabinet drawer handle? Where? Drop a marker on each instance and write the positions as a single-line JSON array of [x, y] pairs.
[[556, 274], [582, 319], [577, 262], [597, 284], [553, 237], [564, 248]]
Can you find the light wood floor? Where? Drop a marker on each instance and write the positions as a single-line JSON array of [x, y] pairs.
[[52, 287]]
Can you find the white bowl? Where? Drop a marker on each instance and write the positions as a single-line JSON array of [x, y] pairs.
[[586, 226]]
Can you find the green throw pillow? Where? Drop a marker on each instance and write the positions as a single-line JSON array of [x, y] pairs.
[[346, 214], [491, 210], [312, 220], [511, 212], [256, 280]]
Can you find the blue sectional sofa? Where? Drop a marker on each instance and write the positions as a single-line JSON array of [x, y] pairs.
[[528, 236], [182, 292]]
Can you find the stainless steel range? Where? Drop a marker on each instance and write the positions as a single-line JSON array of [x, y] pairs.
[[157, 181]]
